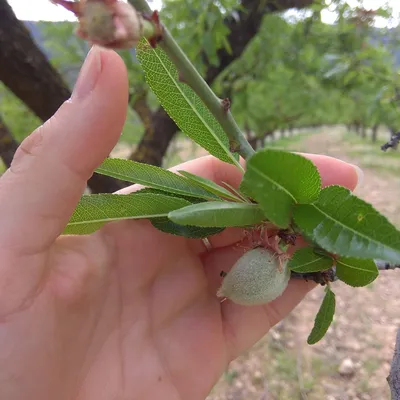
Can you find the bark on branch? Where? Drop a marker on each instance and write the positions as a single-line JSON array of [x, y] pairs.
[[243, 27], [394, 376], [26, 71]]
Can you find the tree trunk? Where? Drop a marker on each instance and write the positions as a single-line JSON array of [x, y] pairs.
[[357, 128], [243, 27], [8, 145], [156, 139], [25, 70], [282, 133], [363, 131], [374, 136]]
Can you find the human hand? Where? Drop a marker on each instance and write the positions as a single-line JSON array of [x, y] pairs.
[[127, 312]]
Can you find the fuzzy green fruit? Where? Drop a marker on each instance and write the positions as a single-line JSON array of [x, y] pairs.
[[258, 277]]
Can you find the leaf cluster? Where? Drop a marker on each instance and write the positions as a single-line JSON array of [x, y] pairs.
[[278, 187]]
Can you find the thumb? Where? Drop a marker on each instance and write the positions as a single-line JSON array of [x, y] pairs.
[[51, 167]]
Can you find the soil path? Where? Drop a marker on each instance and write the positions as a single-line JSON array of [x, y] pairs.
[[353, 360]]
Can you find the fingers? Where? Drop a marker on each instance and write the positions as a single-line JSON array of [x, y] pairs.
[[51, 167]]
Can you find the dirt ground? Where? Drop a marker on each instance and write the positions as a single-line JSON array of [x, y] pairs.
[[353, 360]]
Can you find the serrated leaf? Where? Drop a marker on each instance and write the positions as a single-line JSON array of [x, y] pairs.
[[93, 211], [345, 225], [323, 318], [218, 214], [182, 104], [356, 272], [153, 177], [307, 260], [277, 180], [192, 232], [210, 186]]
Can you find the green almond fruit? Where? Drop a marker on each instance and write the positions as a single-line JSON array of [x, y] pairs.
[[258, 277]]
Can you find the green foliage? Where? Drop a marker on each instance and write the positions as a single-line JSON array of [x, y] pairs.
[[2, 167], [218, 214], [210, 186], [93, 211], [182, 103], [343, 224], [324, 317], [187, 231], [269, 179], [18, 118], [198, 26], [308, 260], [153, 177], [356, 272], [291, 74]]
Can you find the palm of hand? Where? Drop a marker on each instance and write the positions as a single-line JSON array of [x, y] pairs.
[[128, 312], [132, 313]]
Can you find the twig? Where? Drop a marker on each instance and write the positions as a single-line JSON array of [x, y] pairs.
[[392, 143], [383, 265], [191, 76], [324, 277], [394, 376]]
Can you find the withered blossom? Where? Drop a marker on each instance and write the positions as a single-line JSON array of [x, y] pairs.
[[111, 23]]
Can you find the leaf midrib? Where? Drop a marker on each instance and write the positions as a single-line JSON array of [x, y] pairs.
[[354, 231], [94, 221], [308, 263], [355, 268], [161, 187], [259, 172], [196, 112]]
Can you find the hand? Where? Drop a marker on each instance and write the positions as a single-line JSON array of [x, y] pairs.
[[127, 312]]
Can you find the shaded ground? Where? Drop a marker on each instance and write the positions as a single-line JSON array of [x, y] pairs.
[[282, 366]]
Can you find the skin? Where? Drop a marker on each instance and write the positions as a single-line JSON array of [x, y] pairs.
[[127, 312]]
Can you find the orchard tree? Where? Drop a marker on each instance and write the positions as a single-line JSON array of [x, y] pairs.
[[235, 30], [27, 73]]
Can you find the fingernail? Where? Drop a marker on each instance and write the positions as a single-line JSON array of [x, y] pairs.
[[89, 74], [360, 174]]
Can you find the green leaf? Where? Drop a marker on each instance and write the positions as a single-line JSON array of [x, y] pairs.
[[324, 317], [356, 272], [277, 180], [192, 232], [165, 225], [192, 200], [343, 224], [182, 104], [210, 186], [307, 260], [152, 176], [93, 211], [218, 214]]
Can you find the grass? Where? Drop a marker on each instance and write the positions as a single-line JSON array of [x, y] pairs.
[[284, 379], [230, 376], [371, 365], [290, 141]]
